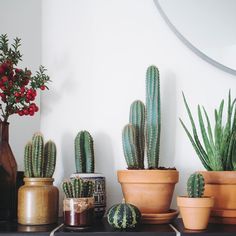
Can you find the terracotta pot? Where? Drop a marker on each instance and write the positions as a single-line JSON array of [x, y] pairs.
[[38, 202], [195, 211], [150, 190], [8, 172], [78, 212], [222, 186], [99, 191]]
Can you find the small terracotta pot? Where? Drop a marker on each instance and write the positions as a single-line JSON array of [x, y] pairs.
[[150, 190], [78, 212], [222, 186], [99, 181], [38, 202], [195, 211]]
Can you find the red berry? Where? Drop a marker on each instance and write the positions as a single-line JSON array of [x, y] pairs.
[[3, 88], [26, 112], [27, 100], [22, 89], [17, 94], [2, 70], [20, 113], [31, 113], [4, 79], [42, 87], [36, 108]]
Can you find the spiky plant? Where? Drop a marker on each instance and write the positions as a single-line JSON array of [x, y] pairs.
[[218, 151], [133, 134], [195, 185], [39, 159], [78, 188], [84, 152]]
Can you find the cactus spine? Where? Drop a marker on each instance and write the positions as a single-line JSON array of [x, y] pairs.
[[153, 111], [78, 188], [137, 119], [195, 185], [39, 160], [130, 146], [84, 152]]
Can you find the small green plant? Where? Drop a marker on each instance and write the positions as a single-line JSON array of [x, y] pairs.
[[195, 185], [133, 135], [218, 151], [78, 188], [84, 152], [39, 159]]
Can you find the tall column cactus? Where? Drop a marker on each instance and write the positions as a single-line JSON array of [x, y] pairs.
[[39, 160], [137, 119], [153, 116], [84, 152], [195, 185], [130, 147]]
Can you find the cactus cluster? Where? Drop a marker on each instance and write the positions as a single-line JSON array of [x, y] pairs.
[[39, 159], [84, 152], [195, 185], [78, 188], [144, 126]]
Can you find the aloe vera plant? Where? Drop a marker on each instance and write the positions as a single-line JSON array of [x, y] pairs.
[[141, 119], [217, 151]]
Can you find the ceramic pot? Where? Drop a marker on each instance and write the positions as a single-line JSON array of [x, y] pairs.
[[38, 202], [78, 212], [222, 186], [195, 211], [150, 190], [8, 172], [99, 191]]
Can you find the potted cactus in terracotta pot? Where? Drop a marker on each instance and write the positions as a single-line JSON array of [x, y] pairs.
[[149, 189], [194, 208], [217, 153], [78, 205], [85, 167], [38, 198]]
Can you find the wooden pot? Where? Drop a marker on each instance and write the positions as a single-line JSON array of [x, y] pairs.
[[222, 186], [150, 190], [78, 212], [195, 211], [38, 202]]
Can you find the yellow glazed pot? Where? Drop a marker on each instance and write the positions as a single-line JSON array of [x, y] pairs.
[[38, 202]]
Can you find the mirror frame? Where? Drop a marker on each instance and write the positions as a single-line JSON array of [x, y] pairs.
[[190, 45]]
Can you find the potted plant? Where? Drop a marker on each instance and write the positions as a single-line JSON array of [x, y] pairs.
[[38, 198], [78, 206], [18, 90], [84, 163], [218, 155], [194, 208], [149, 189]]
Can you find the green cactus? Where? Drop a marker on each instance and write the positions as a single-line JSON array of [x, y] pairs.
[[28, 159], [195, 185], [78, 188], [153, 116], [39, 160], [130, 146], [84, 152], [50, 153], [137, 119]]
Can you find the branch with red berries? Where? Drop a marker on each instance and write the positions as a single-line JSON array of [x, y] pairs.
[[18, 87]]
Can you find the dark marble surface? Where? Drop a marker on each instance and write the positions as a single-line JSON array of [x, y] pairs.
[[212, 229]]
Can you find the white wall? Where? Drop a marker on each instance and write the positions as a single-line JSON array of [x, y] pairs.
[[22, 19], [98, 52]]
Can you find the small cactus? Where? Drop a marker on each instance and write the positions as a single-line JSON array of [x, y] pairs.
[[153, 116], [78, 188], [195, 185], [130, 146], [39, 160], [84, 152], [137, 119]]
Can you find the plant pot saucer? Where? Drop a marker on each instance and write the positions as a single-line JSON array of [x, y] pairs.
[[160, 218], [223, 220]]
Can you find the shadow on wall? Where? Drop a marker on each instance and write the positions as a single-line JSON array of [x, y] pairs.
[[105, 164], [168, 119]]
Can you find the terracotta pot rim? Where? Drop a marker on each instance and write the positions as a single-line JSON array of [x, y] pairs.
[[38, 179], [88, 175], [185, 201], [219, 177], [148, 176]]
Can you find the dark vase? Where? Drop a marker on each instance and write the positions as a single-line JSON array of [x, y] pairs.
[[8, 173]]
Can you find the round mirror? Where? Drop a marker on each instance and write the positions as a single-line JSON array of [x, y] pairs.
[[206, 26]]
